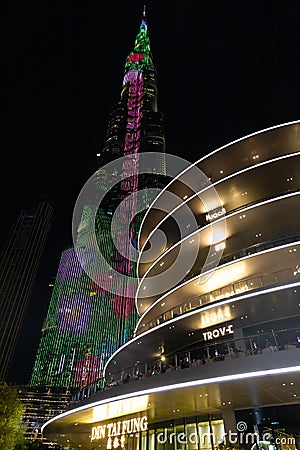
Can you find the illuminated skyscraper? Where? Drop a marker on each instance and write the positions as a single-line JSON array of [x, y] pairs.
[[86, 322], [19, 264]]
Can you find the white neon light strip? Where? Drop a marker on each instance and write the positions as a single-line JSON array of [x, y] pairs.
[[185, 384], [247, 257], [196, 311]]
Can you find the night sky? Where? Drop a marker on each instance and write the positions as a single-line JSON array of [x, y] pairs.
[[226, 69]]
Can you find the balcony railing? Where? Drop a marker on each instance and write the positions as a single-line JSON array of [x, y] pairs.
[[217, 352]]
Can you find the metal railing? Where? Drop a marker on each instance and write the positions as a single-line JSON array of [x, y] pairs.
[[239, 287]]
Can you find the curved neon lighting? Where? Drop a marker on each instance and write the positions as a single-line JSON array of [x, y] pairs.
[[196, 311], [273, 249]]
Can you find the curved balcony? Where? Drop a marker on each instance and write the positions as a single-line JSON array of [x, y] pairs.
[[257, 352], [265, 305], [241, 156], [241, 271], [241, 229], [202, 389], [251, 254]]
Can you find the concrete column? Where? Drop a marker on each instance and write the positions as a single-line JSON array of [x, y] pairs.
[[229, 421]]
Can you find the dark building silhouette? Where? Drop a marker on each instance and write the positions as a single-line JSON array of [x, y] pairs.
[[41, 403], [19, 264]]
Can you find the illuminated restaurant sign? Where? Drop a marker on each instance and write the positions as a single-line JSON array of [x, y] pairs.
[[217, 332], [218, 315], [215, 214], [118, 408], [115, 432]]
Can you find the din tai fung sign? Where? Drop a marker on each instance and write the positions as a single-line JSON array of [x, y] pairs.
[[115, 432]]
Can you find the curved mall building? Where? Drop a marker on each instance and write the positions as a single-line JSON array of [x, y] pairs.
[[217, 343]]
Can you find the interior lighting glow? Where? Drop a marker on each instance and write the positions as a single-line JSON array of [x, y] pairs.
[[220, 246], [226, 276], [209, 318], [120, 408]]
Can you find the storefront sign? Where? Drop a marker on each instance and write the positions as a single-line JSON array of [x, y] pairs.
[[118, 408], [217, 332], [115, 432]]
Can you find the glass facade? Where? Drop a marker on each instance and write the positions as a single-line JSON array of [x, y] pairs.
[[19, 263], [192, 433]]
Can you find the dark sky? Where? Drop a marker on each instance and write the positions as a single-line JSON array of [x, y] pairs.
[[225, 69]]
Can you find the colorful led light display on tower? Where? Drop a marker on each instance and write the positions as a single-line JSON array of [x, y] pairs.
[[86, 323]]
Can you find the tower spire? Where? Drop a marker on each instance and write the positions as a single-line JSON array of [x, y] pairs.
[[144, 20]]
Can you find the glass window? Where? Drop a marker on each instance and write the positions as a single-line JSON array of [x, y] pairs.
[[169, 445], [151, 440], [136, 441], [192, 437], [130, 442], [161, 439], [204, 436], [254, 283], [180, 439], [218, 431], [144, 441]]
